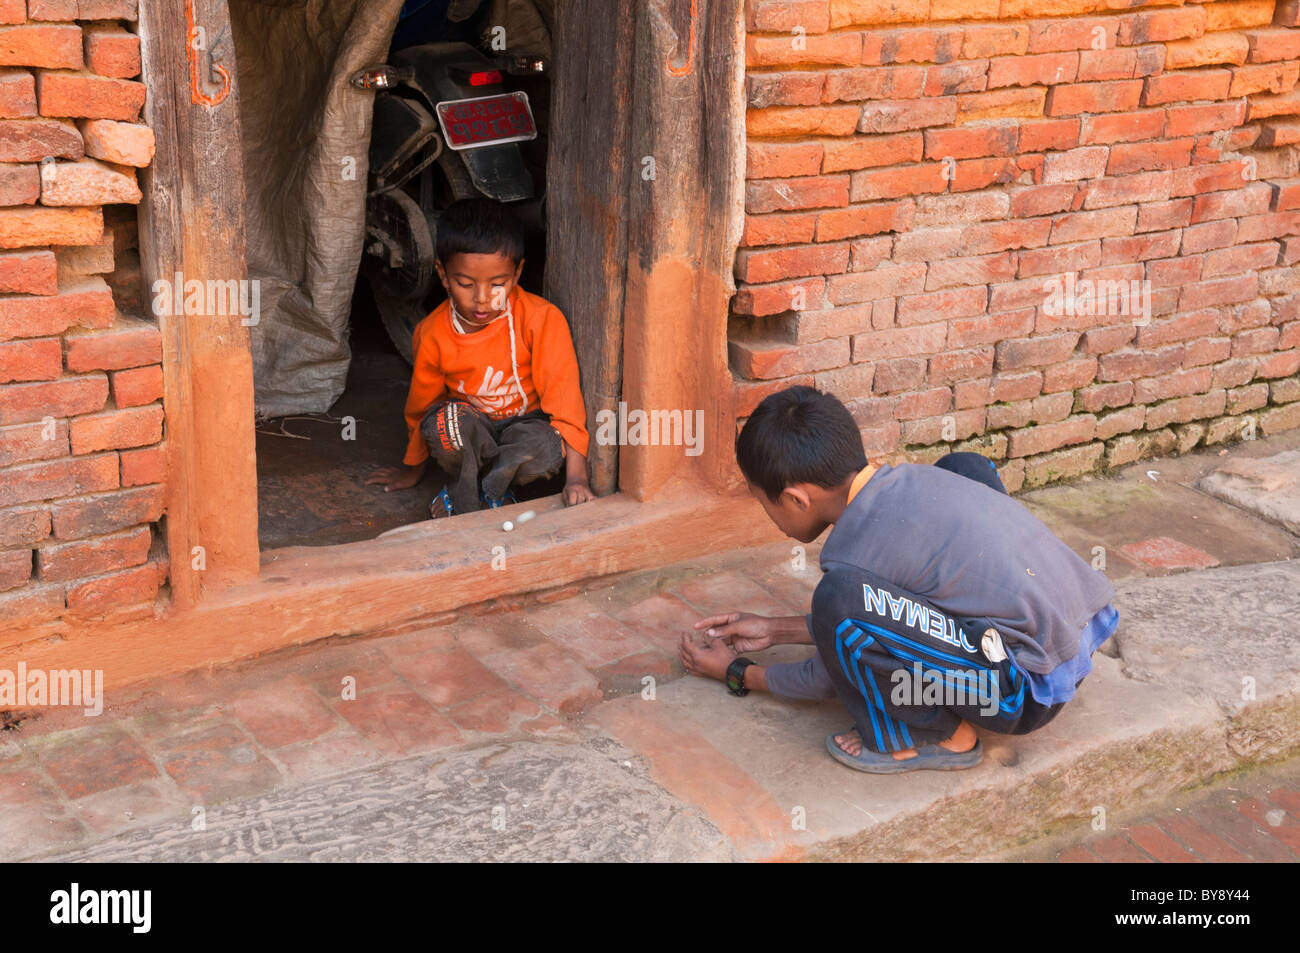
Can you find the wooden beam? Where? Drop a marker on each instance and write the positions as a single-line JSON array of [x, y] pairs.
[[684, 228], [588, 173], [192, 225]]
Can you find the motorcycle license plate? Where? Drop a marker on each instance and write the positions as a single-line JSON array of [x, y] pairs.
[[487, 120]]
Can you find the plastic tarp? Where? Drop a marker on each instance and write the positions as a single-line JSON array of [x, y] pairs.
[[306, 133]]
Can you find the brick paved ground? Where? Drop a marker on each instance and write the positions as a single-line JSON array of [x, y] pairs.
[[1254, 816], [553, 667]]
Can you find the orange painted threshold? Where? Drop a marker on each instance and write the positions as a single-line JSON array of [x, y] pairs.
[[408, 574]]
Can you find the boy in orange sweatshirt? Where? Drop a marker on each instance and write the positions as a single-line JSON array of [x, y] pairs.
[[494, 396]]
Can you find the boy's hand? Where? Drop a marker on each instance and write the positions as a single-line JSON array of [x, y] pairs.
[[576, 492], [396, 478], [709, 660], [743, 631]]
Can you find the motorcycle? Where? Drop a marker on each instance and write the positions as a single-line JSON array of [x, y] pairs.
[[447, 126]]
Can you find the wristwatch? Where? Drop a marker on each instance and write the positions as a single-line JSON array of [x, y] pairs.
[[736, 677]]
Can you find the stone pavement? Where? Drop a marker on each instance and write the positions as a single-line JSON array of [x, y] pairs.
[[561, 726]]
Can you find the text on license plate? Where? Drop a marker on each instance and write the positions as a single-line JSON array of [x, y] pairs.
[[467, 123]]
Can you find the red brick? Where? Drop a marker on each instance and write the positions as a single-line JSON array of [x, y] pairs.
[[17, 94], [859, 220], [974, 174], [956, 78], [1266, 107], [857, 85], [836, 49], [1007, 103], [784, 89], [25, 443], [1088, 162], [88, 302], [873, 185], [140, 467], [872, 151], [1109, 65], [36, 360], [956, 208], [942, 305], [1126, 127], [1258, 228], [887, 116], [888, 280], [132, 587], [776, 264], [1187, 86], [23, 403], [764, 361], [993, 39], [961, 365], [782, 16], [28, 272], [90, 96], [779, 297], [31, 140], [1160, 26], [1043, 200], [1273, 44], [117, 429], [111, 51], [29, 227], [106, 9], [1105, 223], [1254, 199], [106, 512], [778, 160], [126, 344], [1141, 188], [15, 568], [1018, 353], [1045, 437], [1240, 258], [1072, 100], [1149, 156], [1198, 120], [1040, 70], [57, 478], [1076, 33], [972, 141], [75, 560], [899, 342], [52, 10], [928, 45], [785, 195], [796, 228], [1210, 235], [46, 45], [1159, 216], [1264, 78], [1044, 134], [977, 270]]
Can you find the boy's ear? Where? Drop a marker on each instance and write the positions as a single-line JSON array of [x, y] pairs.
[[519, 270], [798, 497], [442, 272]]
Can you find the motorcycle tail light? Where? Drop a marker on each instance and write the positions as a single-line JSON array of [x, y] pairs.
[[377, 77], [485, 78]]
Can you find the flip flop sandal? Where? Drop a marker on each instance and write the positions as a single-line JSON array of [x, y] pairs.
[[928, 757], [492, 503], [441, 505]]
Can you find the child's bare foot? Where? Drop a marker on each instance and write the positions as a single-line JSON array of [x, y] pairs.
[[963, 739]]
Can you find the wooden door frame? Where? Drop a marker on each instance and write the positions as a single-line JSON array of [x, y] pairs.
[[659, 253]]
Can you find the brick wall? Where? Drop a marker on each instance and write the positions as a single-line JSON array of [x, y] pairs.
[[920, 172], [81, 418]]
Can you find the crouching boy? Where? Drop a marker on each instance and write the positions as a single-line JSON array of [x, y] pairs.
[[943, 604], [495, 398]]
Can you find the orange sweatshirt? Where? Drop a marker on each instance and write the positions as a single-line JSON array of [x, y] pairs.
[[477, 368]]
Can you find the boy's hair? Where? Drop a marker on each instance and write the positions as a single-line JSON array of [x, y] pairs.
[[479, 227], [799, 435]]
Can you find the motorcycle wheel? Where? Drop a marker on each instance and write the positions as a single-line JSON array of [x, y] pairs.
[[401, 303]]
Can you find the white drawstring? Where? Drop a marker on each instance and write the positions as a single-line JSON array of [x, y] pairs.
[[514, 362]]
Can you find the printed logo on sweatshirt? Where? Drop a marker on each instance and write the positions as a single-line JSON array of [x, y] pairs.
[[495, 396], [922, 618]]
